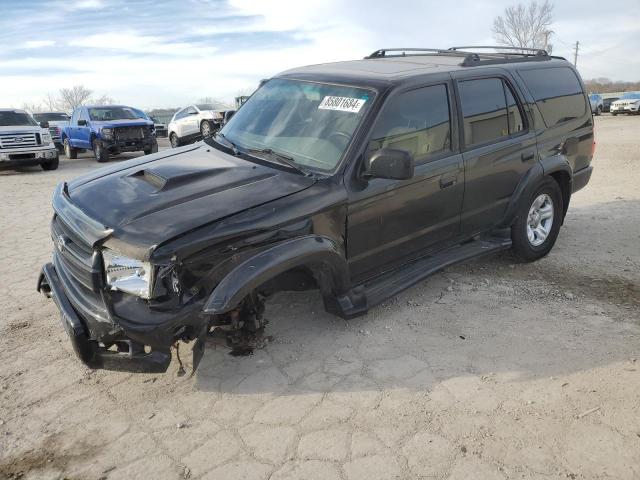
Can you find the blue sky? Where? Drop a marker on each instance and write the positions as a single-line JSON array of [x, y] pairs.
[[156, 53]]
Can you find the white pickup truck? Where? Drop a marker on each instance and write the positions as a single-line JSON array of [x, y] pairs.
[[24, 142]]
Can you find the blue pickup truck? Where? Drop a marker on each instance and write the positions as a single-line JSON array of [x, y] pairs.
[[107, 130]]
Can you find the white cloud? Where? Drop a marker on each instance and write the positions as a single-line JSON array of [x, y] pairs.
[[38, 43], [88, 4]]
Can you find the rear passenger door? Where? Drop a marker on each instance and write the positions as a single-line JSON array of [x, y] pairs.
[[391, 221], [499, 147]]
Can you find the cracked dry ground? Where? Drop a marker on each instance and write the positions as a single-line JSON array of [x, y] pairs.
[[488, 370]]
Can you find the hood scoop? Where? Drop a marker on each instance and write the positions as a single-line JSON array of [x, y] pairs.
[[174, 179], [153, 179]]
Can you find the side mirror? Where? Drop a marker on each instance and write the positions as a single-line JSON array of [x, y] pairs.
[[82, 123], [228, 114], [389, 163], [44, 124]]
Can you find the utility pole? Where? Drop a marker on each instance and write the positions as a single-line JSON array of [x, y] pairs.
[[575, 55]]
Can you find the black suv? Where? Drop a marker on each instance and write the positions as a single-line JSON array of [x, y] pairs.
[[358, 178]]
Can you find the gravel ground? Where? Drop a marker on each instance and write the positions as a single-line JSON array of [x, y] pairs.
[[488, 370]]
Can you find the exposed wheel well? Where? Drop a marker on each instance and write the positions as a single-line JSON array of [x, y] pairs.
[[564, 181], [295, 279]]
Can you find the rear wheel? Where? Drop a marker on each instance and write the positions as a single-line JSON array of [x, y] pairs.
[[100, 153], [70, 152], [175, 141], [536, 229], [52, 165], [152, 149]]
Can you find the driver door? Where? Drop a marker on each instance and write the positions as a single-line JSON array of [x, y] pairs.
[[392, 221]]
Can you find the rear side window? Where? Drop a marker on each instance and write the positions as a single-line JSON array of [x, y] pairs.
[[417, 121], [557, 92], [484, 110]]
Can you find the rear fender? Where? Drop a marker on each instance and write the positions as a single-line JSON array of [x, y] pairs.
[[550, 166], [323, 256]]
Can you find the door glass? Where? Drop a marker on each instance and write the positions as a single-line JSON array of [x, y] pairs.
[[416, 121], [484, 110], [74, 117], [515, 118]]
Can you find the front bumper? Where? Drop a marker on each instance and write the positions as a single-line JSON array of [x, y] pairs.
[[122, 353], [27, 157], [132, 145], [625, 109]]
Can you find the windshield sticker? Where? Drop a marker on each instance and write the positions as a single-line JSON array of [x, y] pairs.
[[342, 104]]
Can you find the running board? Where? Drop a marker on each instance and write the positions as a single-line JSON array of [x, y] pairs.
[[362, 297]]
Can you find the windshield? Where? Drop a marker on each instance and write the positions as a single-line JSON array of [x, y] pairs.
[[630, 96], [10, 119], [310, 122], [51, 117], [102, 114]]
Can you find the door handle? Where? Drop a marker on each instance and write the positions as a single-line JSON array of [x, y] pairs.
[[448, 181], [527, 156]]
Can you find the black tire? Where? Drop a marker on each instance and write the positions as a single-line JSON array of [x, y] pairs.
[[175, 141], [70, 152], [206, 129], [101, 154], [614, 114], [599, 110], [152, 149], [522, 247], [52, 165]]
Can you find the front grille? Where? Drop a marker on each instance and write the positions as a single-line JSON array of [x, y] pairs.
[[77, 258], [19, 140], [130, 133]]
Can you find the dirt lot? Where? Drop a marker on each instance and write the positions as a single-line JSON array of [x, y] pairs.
[[488, 370]]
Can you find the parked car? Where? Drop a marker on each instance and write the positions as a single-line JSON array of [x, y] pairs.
[[606, 103], [627, 103], [57, 121], [195, 122], [107, 130], [357, 178], [159, 128], [24, 142], [596, 102]]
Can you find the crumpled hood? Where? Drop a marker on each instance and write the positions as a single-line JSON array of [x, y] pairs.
[[150, 200]]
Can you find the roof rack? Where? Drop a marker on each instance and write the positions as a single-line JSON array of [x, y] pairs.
[[471, 57]]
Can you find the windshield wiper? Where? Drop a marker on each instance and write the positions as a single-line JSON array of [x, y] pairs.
[[280, 157], [234, 147]]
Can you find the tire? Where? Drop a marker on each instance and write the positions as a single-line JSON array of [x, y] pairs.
[[614, 114], [52, 165], [206, 129], [599, 110], [152, 149], [101, 154], [175, 141], [528, 232], [70, 152]]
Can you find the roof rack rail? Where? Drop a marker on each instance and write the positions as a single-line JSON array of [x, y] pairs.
[[401, 52], [471, 58]]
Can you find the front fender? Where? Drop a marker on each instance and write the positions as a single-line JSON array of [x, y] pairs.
[[323, 256]]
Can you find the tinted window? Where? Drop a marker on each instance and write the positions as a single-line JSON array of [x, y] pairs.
[[111, 113], [11, 118], [484, 110], [74, 117], [416, 121], [515, 117], [557, 92]]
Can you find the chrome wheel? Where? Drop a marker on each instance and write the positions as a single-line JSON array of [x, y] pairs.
[[205, 129], [540, 220], [174, 140]]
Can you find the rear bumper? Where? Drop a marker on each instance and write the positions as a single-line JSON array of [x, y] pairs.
[[126, 353], [581, 178]]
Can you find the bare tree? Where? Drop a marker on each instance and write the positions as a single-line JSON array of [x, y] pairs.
[[213, 101], [73, 97], [52, 103], [525, 26], [32, 107], [103, 100]]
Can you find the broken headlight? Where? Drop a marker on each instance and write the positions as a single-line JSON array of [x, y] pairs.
[[127, 274]]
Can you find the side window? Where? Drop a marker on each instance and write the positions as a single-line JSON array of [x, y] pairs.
[[179, 114], [84, 115], [417, 121], [515, 117], [191, 110], [557, 92], [74, 117], [484, 110]]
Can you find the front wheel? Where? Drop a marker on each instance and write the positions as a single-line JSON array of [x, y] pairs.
[[52, 165], [70, 152], [536, 229], [206, 129], [100, 153], [599, 110], [175, 141]]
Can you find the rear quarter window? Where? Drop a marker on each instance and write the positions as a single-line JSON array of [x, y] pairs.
[[557, 92]]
